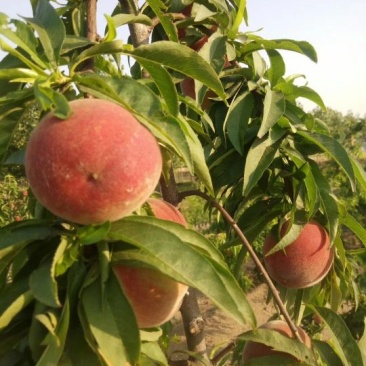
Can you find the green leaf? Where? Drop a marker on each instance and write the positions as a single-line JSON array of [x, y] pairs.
[[309, 180], [159, 8], [25, 60], [362, 344], [277, 69], [356, 227], [335, 150], [292, 92], [19, 233], [56, 344], [291, 235], [121, 311], [328, 201], [24, 38], [18, 75], [185, 261], [44, 286], [13, 300], [180, 58], [165, 84], [344, 344], [327, 353], [50, 29], [273, 109], [122, 19], [107, 330], [239, 16], [281, 343], [51, 99], [74, 42], [113, 47], [92, 234], [237, 119], [112, 31], [8, 124], [360, 173], [154, 352], [259, 158], [258, 43], [200, 167]]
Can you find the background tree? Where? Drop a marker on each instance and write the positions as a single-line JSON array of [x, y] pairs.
[[239, 130]]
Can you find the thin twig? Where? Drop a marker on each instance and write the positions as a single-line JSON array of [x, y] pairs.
[[254, 256]]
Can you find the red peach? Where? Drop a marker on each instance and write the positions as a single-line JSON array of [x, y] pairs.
[[303, 263], [165, 210], [99, 164], [154, 297], [254, 350]]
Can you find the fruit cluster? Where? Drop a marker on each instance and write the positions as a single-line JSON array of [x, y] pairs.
[[98, 165]]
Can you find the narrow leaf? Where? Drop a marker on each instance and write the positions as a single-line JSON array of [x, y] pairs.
[[333, 148], [165, 84], [273, 109], [44, 286], [277, 69], [182, 59], [158, 8], [259, 158], [185, 262], [356, 227], [293, 92], [237, 119], [50, 29], [54, 350], [344, 344], [302, 47], [103, 326]]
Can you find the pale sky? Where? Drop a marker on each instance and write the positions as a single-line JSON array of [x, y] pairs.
[[335, 28]]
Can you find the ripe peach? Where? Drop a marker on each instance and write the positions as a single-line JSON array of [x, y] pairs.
[[99, 164], [165, 210], [254, 350], [154, 297], [303, 263]]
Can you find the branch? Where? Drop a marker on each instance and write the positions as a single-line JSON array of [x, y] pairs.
[[254, 256]]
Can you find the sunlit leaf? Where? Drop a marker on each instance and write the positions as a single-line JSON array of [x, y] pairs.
[[185, 262], [104, 325], [50, 29], [302, 47], [344, 344]]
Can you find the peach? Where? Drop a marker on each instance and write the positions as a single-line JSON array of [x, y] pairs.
[[154, 296], [165, 210], [303, 263], [254, 350], [98, 165]]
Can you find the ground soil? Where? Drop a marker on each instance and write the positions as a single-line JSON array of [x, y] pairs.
[[221, 329]]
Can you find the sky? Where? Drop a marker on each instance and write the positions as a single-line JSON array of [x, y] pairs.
[[335, 28]]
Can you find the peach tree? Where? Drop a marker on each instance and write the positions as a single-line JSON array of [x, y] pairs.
[[213, 95]]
